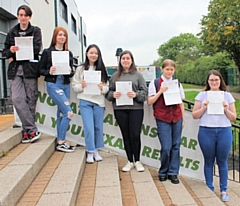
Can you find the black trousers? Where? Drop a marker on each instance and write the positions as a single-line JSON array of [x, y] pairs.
[[130, 123]]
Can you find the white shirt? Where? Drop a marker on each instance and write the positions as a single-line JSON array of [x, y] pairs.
[[152, 89], [214, 120]]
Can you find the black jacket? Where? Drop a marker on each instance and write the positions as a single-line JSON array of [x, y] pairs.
[[46, 63], [30, 69]]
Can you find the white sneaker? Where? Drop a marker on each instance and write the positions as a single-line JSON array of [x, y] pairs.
[[128, 167], [139, 167], [97, 156], [90, 159]]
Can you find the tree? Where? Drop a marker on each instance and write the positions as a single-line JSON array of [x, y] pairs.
[[220, 29], [180, 48]]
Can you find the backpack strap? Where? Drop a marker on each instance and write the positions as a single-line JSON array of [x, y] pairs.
[[156, 81]]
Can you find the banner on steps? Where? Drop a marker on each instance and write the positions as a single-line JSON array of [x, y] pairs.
[[191, 159]]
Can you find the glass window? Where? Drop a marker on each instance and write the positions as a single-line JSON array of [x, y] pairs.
[[63, 10], [74, 27]]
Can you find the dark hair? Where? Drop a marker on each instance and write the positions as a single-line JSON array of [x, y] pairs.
[[99, 63], [26, 8], [54, 37], [168, 62], [222, 87], [132, 68]]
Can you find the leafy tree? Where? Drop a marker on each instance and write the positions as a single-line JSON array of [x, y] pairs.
[[195, 72], [221, 28], [180, 49]]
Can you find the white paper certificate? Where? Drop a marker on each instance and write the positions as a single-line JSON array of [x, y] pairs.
[[92, 78], [60, 59], [25, 45], [215, 99], [124, 87], [172, 94]]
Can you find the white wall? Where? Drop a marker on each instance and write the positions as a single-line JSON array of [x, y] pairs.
[[43, 17]]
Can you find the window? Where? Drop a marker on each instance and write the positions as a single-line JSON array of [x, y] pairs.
[[73, 24], [63, 10]]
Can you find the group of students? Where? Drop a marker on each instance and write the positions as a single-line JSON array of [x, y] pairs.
[[214, 134]]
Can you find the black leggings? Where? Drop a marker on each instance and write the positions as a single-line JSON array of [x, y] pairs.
[[130, 123]]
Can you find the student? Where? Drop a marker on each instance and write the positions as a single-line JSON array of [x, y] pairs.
[[129, 117], [58, 86], [92, 106], [170, 121], [23, 77], [215, 132]]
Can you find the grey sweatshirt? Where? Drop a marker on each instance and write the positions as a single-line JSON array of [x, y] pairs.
[[138, 85]]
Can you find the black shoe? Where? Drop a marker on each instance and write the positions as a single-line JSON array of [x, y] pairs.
[[26, 138], [163, 178], [174, 179], [34, 136]]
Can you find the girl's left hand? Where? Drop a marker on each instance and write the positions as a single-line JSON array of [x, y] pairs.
[[183, 123], [100, 86], [225, 105], [131, 94]]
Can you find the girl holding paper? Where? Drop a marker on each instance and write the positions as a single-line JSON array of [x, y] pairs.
[[92, 103], [58, 86], [215, 133], [129, 116], [170, 121]]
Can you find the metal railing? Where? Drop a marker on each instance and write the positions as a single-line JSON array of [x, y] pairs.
[[233, 160]]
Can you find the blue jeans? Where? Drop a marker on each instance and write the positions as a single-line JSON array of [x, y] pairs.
[[169, 135], [215, 143], [92, 117], [60, 93]]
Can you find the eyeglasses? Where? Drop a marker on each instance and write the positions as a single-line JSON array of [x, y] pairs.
[[214, 80]]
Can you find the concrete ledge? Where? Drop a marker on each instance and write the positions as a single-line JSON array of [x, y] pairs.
[[145, 189], [64, 184], [108, 189], [9, 138], [16, 177]]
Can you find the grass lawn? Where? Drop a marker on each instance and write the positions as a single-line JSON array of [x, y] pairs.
[[192, 86]]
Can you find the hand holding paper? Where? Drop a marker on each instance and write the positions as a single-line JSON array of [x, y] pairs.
[[172, 94], [124, 87], [92, 79], [215, 99], [25, 48], [60, 59]]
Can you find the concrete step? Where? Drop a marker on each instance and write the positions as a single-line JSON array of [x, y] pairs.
[[10, 137], [36, 174], [21, 165]]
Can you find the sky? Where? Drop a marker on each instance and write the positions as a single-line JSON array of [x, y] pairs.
[[140, 26]]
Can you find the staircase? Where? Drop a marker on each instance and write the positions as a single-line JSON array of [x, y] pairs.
[[36, 174]]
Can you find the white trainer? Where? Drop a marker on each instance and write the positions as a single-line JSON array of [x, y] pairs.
[[90, 159], [128, 167], [139, 167], [97, 156]]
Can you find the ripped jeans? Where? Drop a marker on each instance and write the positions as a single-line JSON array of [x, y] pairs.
[[60, 93]]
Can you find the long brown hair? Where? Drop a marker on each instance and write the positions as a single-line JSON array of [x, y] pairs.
[[132, 68], [222, 87], [54, 37]]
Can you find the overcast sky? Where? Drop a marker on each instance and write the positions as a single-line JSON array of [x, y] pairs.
[[140, 26]]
